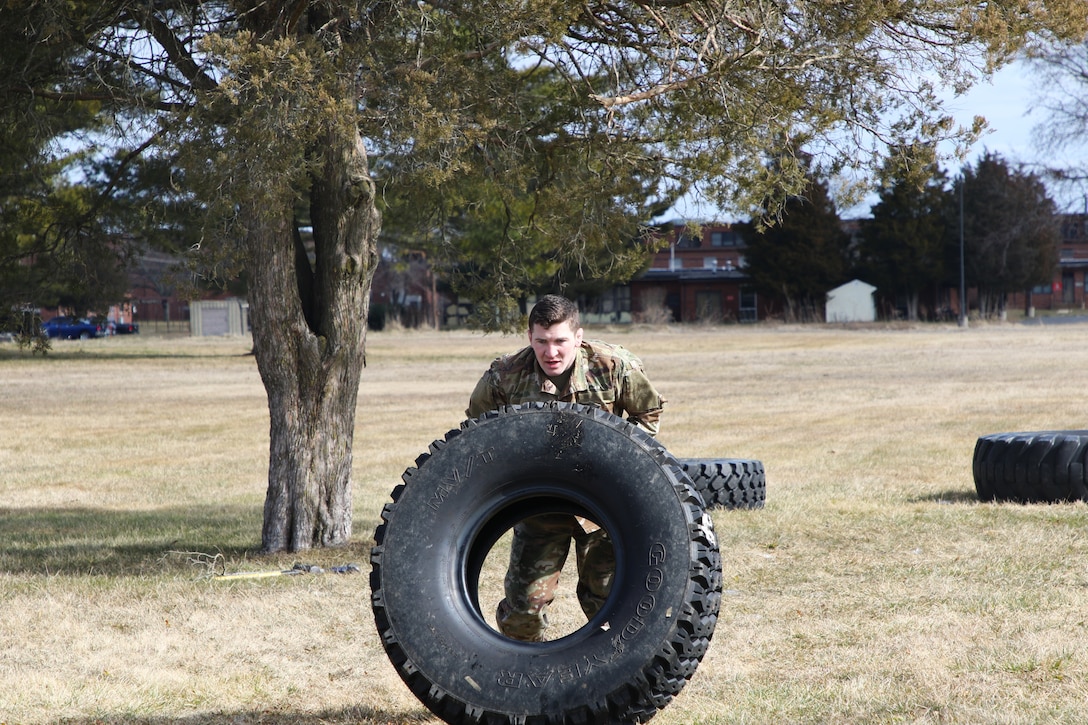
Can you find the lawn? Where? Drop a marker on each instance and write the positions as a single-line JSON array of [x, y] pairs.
[[872, 588]]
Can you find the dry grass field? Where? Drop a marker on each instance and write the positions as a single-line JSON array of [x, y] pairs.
[[873, 588]]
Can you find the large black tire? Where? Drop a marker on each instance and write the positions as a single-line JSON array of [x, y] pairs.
[[631, 658], [1041, 467], [732, 483]]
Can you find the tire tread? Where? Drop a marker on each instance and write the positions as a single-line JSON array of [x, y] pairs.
[[729, 483], [1032, 467]]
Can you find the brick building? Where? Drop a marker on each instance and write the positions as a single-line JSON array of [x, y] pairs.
[[1066, 290], [698, 277]]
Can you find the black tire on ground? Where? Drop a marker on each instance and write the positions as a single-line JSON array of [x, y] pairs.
[[732, 483], [1045, 466], [631, 658]]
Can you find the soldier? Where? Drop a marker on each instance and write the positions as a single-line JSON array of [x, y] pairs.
[[559, 365]]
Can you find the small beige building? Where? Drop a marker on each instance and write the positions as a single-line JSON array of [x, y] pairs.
[[218, 317], [851, 302]]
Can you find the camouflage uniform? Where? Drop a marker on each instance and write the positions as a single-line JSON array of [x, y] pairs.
[[602, 375]]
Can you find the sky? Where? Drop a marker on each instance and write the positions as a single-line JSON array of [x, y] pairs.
[[1006, 101]]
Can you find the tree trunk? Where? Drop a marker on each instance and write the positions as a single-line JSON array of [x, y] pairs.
[[912, 305], [309, 330]]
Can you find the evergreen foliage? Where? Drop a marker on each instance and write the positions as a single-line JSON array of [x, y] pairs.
[[1011, 230], [902, 247], [800, 255]]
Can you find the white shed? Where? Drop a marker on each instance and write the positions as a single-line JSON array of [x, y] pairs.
[[218, 317], [851, 302]]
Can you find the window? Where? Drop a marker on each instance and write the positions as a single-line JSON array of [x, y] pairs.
[[725, 239], [611, 302], [1075, 229], [748, 301]]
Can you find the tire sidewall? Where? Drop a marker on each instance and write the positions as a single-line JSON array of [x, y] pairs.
[[618, 475]]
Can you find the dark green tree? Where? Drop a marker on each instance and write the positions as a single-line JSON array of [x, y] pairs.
[[493, 235], [1011, 230], [799, 256], [327, 105], [57, 247], [902, 247]]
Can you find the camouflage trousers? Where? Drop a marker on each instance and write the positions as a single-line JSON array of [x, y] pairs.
[[537, 554]]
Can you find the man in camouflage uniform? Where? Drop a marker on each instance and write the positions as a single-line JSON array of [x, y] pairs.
[[560, 365]]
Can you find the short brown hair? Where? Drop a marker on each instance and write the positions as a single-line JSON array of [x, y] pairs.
[[552, 310]]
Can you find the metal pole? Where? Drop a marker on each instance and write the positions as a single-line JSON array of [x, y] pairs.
[[963, 280]]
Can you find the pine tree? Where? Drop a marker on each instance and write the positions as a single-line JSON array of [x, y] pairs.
[[1011, 230], [800, 256], [902, 246]]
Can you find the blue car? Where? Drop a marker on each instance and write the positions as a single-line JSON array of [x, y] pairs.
[[71, 328]]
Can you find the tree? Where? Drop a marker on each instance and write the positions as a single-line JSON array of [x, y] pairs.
[[325, 105], [57, 245], [1064, 90], [494, 232], [494, 239], [801, 255], [903, 244], [1011, 230]]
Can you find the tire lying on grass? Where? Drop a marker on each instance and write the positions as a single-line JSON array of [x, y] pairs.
[[732, 483], [1039, 467], [632, 657]]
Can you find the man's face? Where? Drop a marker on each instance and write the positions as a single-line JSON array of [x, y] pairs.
[[555, 346]]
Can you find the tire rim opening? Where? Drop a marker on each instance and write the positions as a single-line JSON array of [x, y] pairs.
[[589, 547]]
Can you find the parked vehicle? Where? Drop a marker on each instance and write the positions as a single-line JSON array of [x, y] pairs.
[[124, 328], [71, 328]]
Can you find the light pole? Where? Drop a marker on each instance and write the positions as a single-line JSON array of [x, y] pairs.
[[963, 279]]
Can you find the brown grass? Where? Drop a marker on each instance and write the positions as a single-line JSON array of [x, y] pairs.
[[873, 588]]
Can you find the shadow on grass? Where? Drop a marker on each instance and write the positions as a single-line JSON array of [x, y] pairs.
[[181, 540], [351, 715], [957, 495], [87, 541]]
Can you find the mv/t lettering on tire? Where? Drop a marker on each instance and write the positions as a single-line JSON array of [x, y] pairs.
[[625, 663], [1039, 467]]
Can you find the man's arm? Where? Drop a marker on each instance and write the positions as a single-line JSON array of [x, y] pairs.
[[484, 396], [641, 401]]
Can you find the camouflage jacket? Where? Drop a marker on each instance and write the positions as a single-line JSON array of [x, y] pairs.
[[603, 375]]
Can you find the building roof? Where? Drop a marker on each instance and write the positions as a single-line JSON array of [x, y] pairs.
[[695, 274], [853, 284]]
